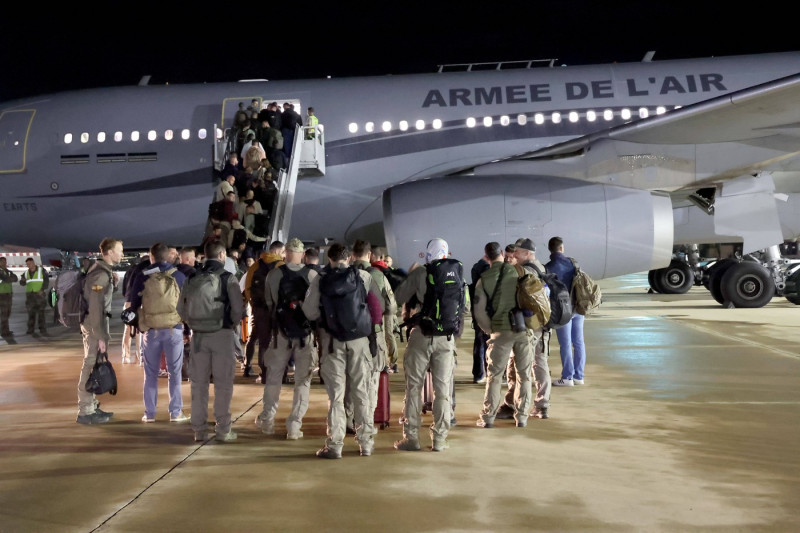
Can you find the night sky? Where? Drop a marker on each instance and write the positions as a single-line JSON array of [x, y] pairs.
[[61, 48]]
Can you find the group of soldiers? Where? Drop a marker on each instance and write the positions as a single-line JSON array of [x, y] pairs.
[[36, 282]]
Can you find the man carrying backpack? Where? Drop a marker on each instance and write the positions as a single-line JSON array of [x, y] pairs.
[[211, 304], [154, 297], [495, 297], [345, 302], [439, 287], [254, 294], [570, 336], [292, 337], [98, 289]]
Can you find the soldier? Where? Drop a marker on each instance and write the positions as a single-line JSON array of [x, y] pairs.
[[292, 338], [6, 279], [36, 282], [97, 291]]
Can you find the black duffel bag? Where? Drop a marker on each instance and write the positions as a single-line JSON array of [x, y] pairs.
[[103, 379]]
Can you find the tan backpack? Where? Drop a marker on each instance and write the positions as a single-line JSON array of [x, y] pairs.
[[159, 301], [532, 296]]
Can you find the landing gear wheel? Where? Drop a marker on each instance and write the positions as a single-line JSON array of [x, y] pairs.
[[677, 278], [747, 284], [715, 278], [652, 279]]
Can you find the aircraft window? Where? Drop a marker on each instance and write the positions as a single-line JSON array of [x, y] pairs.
[[538, 118], [608, 114], [522, 119], [555, 117], [660, 110], [643, 112], [353, 127], [573, 116], [403, 125], [471, 122], [219, 133], [202, 134], [370, 127], [101, 137], [185, 134], [84, 138], [504, 120], [117, 136], [625, 114], [68, 138], [386, 126], [151, 135], [487, 121], [134, 136], [437, 124], [169, 134], [591, 116], [420, 125]]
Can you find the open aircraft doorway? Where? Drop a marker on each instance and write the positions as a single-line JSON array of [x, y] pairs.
[[15, 126]]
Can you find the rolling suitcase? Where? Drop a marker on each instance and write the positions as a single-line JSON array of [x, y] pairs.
[[382, 408], [427, 393]]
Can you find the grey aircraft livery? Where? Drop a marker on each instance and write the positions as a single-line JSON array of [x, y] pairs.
[[623, 161]]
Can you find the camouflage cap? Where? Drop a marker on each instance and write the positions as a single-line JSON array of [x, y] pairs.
[[295, 245]]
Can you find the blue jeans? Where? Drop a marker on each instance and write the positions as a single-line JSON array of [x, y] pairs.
[[573, 351], [169, 341]]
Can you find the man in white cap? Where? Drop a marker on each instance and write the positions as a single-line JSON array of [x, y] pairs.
[[438, 289], [285, 291]]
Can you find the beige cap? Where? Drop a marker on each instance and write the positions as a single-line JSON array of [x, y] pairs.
[[295, 245]]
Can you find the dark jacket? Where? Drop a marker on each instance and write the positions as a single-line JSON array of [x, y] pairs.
[[561, 266]]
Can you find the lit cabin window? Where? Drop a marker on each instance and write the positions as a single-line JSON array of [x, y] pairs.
[[386, 126], [151, 135], [625, 114], [608, 114], [169, 134], [218, 133], [660, 110], [420, 125], [185, 134], [678, 107], [471, 122], [591, 116], [504, 120], [487, 121], [403, 125], [522, 119], [84, 138], [101, 137], [437, 124], [353, 127], [202, 134], [538, 118], [370, 127], [118, 136], [134, 136], [68, 138], [573, 116], [643, 112], [555, 117]]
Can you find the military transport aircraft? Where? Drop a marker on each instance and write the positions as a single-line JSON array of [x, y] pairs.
[[623, 161]]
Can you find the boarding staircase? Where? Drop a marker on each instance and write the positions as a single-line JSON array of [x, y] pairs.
[[307, 161]]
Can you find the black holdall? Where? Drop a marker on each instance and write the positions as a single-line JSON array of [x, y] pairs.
[[103, 379]]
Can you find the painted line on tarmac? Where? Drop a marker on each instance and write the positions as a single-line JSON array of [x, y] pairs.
[[778, 351]]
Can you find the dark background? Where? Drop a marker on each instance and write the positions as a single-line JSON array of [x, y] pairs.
[[47, 49]]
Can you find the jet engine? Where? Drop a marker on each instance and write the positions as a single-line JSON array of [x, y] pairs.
[[611, 230]]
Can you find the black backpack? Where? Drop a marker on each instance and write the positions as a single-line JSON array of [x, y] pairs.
[[443, 306], [288, 311], [561, 309], [72, 306], [393, 276], [259, 283], [344, 304]]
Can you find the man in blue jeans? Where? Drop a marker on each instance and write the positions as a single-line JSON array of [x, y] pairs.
[[570, 336], [154, 296]]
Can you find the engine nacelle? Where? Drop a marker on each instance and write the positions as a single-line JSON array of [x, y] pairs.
[[610, 230]]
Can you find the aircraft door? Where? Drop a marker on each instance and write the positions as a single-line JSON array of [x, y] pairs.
[[15, 126]]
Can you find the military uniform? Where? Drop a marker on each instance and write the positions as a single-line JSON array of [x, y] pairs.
[[36, 284], [98, 291], [6, 279]]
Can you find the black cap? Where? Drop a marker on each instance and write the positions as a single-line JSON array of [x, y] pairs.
[[525, 244]]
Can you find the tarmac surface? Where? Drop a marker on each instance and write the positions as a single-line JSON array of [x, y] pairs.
[[689, 421]]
